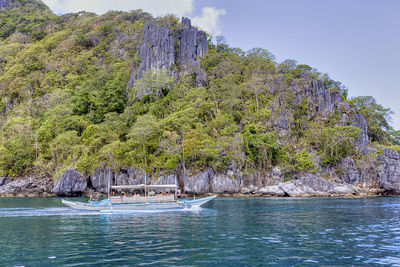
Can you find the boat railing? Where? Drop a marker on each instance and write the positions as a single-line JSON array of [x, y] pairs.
[[141, 199]]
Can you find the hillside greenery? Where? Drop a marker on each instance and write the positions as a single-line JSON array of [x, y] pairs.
[[64, 103]]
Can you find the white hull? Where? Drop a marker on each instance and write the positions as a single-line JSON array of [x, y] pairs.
[[149, 206]]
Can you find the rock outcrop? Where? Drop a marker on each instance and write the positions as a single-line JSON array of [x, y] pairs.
[[7, 4], [272, 190], [348, 183], [389, 173], [193, 45], [224, 184], [198, 184], [30, 186], [323, 102], [71, 182], [351, 173], [156, 50], [99, 179], [163, 48]]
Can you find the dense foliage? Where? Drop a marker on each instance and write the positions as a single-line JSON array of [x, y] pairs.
[[64, 103]]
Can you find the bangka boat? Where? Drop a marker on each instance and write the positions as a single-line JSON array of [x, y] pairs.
[[139, 203]]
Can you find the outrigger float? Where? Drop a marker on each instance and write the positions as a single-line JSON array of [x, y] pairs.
[[139, 203]]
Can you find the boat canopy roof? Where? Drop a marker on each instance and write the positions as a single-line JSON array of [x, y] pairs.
[[139, 186]]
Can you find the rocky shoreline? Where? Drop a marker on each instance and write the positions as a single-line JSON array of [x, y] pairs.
[[383, 179]]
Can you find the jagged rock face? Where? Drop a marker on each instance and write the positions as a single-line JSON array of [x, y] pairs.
[[321, 97], [99, 180], [160, 48], [326, 102], [351, 173], [30, 186], [156, 50], [7, 4], [117, 49], [360, 122], [71, 182], [224, 184], [3, 181], [193, 45], [198, 184], [389, 175], [132, 176], [166, 179]]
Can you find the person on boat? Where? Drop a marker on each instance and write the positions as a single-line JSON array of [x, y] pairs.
[[122, 195], [93, 199], [178, 193]]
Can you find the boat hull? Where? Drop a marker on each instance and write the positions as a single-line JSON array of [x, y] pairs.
[[149, 206]]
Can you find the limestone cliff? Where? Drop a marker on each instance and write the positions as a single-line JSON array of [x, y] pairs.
[[7, 4], [179, 50], [321, 102]]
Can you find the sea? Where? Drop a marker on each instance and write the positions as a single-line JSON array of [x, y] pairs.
[[225, 232]]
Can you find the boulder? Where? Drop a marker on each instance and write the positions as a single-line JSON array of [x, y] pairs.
[[225, 184], [245, 190], [343, 190], [252, 188], [199, 183], [29, 186], [296, 188], [316, 184], [274, 190], [276, 171], [389, 174], [70, 182]]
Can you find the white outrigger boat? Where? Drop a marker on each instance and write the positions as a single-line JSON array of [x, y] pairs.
[[139, 203]]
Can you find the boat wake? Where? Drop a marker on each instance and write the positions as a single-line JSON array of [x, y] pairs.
[[114, 211], [56, 211], [34, 212]]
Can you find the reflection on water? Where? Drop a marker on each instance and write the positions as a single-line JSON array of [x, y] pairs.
[[247, 231]]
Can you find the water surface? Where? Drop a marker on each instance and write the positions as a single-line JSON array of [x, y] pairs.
[[227, 231]]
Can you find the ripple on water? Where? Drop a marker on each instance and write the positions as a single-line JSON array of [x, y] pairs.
[[249, 231]]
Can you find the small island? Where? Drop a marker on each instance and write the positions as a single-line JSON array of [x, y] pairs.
[[89, 98]]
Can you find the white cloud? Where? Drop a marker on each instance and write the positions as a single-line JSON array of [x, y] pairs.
[[208, 20]]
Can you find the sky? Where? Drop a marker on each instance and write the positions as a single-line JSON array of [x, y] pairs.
[[357, 42]]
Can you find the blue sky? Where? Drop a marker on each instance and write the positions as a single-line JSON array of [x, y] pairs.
[[356, 42]]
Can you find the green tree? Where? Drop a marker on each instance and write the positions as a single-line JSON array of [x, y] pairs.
[[377, 117]]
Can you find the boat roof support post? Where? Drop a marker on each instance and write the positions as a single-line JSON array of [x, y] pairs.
[[109, 184]]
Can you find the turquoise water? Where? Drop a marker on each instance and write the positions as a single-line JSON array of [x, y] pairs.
[[226, 232]]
